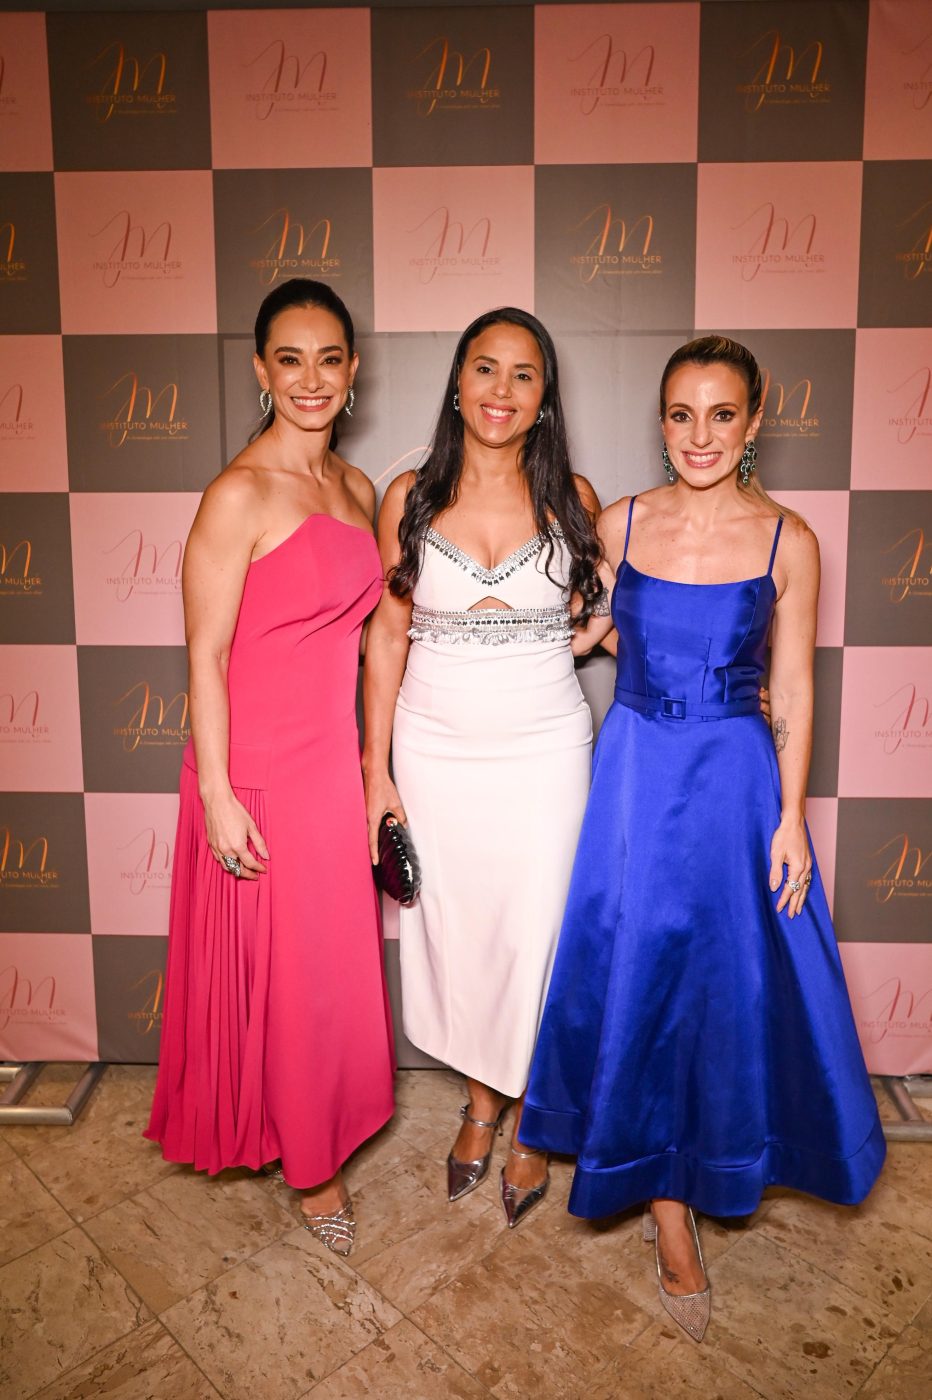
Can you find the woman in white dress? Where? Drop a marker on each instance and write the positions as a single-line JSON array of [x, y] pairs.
[[490, 558]]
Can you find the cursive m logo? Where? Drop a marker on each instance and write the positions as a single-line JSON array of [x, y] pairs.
[[132, 242], [16, 392], [910, 571], [911, 717], [150, 1012], [921, 86], [604, 243], [8, 231], [452, 239], [155, 858], [906, 865], [18, 993], [897, 1010], [140, 553], [139, 398], [127, 76], [910, 422], [917, 258], [612, 66], [291, 231], [152, 712], [784, 396], [21, 853], [775, 232], [451, 71], [7, 557], [779, 65], [13, 707], [285, 64]]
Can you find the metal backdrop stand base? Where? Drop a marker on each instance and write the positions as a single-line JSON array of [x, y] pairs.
[[913, 1128], [20, 1079]]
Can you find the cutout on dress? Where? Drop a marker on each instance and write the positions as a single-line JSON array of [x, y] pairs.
[[491, 602]]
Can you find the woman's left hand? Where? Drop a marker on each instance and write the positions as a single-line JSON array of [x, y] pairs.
[[790, 848]]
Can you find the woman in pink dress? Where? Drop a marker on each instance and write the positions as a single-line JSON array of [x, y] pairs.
[[277, 1034]]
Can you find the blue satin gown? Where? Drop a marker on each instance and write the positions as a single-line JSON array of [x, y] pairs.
[[695, 1044]]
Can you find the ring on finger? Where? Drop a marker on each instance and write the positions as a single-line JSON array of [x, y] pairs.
[[794, 885], [232, 864]]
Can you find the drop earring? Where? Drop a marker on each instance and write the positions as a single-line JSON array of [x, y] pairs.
[[456, 402], [539, 419], [748, 461], [265, 403], [350, 402], [668, 465]]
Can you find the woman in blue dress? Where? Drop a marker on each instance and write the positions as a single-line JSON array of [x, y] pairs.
[[697, 1043]]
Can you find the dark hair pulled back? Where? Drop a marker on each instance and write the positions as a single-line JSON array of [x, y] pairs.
[[545, 463], [299, 291]]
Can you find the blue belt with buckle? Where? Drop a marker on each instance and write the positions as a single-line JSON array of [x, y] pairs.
[[668, 707]]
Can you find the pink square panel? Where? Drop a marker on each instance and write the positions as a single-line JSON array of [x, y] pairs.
[[136, 252], [25, 110], [290, 88], [33, 448], [822, 816], [886, 722], [891, 448], [47, 1005], [450, 243], [40, 729], [126, 552], [827, 513], [777, 245], [130, 847], [898, 106], [616, 84], [890, 986]]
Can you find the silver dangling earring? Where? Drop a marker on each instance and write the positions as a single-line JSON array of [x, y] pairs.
[[668, 465], [456, 402], [540, 418], [748, 461], [265, 403], [350, 402]]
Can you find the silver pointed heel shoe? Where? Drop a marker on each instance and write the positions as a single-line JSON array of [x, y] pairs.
[[691, 1311], [463, 1177], [336, 1231], [518, 1201], [648, 1225]]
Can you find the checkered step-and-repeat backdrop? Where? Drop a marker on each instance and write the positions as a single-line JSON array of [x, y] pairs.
[[631, 172]]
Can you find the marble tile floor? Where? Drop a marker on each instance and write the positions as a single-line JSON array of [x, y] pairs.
[[127, 1278]]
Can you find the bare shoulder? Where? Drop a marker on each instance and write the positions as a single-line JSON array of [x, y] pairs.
[[799, 544], [397, 491], [587, 495], [240, 488], [360, 488]]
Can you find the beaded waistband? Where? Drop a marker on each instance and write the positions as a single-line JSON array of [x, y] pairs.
[[491, 626]]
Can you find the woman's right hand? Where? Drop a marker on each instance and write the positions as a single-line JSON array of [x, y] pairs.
[[230, 829], [381, 797]]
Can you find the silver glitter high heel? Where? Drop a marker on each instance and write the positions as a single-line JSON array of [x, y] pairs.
[[648, 1225], [517, 1201], [463, 1177], [336, 1231], [691, 1311]]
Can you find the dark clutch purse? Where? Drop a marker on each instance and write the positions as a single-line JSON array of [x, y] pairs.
[[399, 870]]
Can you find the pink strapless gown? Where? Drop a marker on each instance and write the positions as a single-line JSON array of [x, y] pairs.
[[277, 1037]]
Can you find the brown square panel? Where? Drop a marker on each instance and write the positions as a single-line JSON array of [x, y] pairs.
[[888, 601], [453, 86], [43, 863], [805, 437], [129, 92], [143, 412], [615, 246], [129, 978], [274, 224], [895, 286], [28, 256], [782, 82], [36, 584], [883, 879], [134, 717]]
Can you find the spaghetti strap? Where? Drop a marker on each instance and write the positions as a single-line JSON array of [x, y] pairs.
[[628, 531], [776, 541]]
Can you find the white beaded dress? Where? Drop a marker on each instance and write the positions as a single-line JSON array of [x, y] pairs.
[[491, 751]]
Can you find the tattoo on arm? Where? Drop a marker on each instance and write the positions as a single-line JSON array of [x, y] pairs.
[[780, 734]]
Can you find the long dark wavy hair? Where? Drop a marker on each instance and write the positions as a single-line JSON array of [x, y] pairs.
[[299, 291], [545, 462]]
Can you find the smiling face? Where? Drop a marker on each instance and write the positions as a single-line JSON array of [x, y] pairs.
[[501, 385], [707, 421], [306, 367]]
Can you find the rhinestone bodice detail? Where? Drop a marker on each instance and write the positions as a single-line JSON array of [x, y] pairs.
[[451, 582]]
